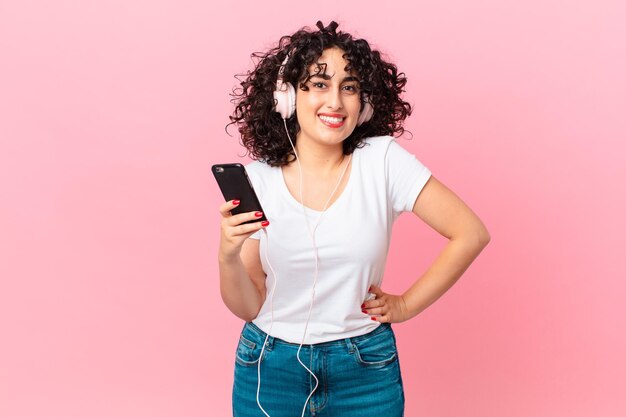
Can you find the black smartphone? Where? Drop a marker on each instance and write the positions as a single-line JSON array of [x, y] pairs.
[[235, 185]]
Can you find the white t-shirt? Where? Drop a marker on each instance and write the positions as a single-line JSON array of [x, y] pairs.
[[352, 240]]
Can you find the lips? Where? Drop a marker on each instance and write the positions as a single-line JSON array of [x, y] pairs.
[[332, 120]]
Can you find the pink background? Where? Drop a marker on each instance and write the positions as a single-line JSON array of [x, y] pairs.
[[111, 114]]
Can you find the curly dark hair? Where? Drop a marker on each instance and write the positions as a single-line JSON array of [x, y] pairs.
[[262, 130]]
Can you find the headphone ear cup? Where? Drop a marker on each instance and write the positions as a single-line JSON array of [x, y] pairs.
[[285, 98], [366, 114]]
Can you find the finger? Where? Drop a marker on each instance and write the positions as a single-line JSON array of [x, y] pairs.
[[383, 319], [376, 311], [377, 302], [228, 206], [249, 228], [378, 318], [369, 304], [237, 219]]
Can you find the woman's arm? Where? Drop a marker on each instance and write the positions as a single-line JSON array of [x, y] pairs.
[[242, 280], [446, 213]]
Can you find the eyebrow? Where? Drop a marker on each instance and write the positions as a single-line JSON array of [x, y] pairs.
[[328, 77]]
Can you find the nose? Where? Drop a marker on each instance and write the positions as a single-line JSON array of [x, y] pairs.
[[335, 101]]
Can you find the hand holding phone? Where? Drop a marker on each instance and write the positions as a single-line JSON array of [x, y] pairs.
[[235, 185]]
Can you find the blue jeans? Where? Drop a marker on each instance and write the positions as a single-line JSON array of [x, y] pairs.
[[359, 376]]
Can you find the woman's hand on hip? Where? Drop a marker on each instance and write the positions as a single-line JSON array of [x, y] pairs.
[[385, 308], [233, 231]]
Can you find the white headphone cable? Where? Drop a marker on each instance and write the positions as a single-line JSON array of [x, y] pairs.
[[275, 284], [312, 235]]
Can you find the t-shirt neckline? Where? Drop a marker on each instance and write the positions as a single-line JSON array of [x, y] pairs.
[[340, 198]]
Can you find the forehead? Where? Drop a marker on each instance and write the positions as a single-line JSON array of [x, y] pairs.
[[330, 62]]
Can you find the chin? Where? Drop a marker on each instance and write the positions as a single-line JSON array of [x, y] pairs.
[[333, 141], [335, 137]]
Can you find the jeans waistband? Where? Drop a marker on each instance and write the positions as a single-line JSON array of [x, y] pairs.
[[271, 340]]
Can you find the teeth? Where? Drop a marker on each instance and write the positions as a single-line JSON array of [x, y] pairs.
[[333, 120]]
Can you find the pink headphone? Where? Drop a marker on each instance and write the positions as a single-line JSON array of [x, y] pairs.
[[285, 97]]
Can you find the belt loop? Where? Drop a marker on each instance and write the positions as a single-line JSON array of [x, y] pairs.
[[350, 345], [269, 344]]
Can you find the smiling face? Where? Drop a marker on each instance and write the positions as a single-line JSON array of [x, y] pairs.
[[328, 111]]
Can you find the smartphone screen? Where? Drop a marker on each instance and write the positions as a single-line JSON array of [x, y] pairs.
[[235, 185]]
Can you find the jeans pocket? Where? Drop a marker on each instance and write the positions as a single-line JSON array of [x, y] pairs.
[[375, 352], [247, 352]]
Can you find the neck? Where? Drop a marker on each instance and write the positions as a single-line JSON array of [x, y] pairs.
[[320, 159]]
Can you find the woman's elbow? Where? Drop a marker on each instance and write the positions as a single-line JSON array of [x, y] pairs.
[[475, 237], [482, 236], [244, 314]]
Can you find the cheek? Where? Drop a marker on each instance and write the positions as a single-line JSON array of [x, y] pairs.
[[307, 100], [355, 107]]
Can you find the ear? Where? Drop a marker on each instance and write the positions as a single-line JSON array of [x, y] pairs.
[[366, 113]]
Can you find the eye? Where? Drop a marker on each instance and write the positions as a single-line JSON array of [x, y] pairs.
[[350, 88], [317, 84]]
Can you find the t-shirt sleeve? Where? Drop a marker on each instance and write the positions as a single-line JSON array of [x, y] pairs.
[[406, 177]]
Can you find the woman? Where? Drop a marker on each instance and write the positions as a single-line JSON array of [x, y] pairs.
[[331, 179]]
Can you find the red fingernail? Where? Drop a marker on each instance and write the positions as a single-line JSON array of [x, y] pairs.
[[364, 311], [258, 214], [265, 223], [363, 305], [236, 202], [373, 318]]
